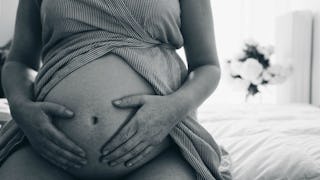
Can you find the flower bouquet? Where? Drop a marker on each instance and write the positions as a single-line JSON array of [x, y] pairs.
[[252, 68]]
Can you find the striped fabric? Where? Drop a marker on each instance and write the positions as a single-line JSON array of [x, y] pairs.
[[146, 34]]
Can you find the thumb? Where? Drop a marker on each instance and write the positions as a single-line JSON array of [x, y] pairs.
[[56, 110], [130, 101]]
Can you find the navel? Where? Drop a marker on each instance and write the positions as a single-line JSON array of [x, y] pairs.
[[94, 120]]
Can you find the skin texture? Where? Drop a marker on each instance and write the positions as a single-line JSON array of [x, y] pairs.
[[25, 163], [88, 92], [22, 64]]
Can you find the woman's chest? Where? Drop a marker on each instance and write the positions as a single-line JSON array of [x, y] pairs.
[[147, 13]]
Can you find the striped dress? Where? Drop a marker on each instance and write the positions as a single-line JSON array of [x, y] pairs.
[[146, 34]]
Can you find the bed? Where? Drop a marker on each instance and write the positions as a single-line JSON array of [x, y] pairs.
[[264, 142], [267, 142]]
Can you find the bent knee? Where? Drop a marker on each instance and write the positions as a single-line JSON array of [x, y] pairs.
[[169, 165], [26, 164]]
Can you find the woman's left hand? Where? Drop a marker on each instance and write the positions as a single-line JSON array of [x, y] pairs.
[[151, 123]]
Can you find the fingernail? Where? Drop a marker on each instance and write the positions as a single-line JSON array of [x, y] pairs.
[[129, 164], [105, 153], [82, 153], [117, 102], [112, 163], [69, 112], [77, 166], [103, 159], [84, 162]]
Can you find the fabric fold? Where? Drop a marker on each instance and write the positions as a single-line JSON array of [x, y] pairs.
[[155, 60]]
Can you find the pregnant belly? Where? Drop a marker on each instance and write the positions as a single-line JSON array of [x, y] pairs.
[[89, 91]]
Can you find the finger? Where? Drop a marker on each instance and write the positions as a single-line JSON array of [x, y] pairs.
[[133, 153], [56, 110], [59, 160], [70, 158], [8, 133], [130, 101], [62, 141], [141, 156], [123, 149], [49, 157], [120, 137]]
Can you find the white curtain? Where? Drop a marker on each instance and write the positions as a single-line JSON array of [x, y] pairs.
[[294, 46]]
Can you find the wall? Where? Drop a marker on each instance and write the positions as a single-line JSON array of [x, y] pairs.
[[313, 5], [7, 19], [236, 20], [294, 45]]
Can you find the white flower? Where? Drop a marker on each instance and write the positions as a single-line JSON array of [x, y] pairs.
[[267, 51], [240, 84], [251, 42], [257, 81], [261, 88], [251, 70], [235, 67], [266, 75], [240, 55], [278, 73], [272, 58]]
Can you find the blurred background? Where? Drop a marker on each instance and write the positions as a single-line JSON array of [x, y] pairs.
[[290, 26]]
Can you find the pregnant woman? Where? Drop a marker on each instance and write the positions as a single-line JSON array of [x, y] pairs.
[[97, 91]]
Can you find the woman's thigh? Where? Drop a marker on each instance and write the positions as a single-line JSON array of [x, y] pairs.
[[169, 165], [26, 164]]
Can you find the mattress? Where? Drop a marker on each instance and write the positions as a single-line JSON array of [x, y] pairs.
[[4, 111], [267, 142]]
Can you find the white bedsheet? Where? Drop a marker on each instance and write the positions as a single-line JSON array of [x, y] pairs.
[[4, 111], [267, 142]]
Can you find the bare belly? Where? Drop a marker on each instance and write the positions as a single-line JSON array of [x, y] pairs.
[[89, 91]]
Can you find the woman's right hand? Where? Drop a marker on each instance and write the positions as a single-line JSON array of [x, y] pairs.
[[35, 119]]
